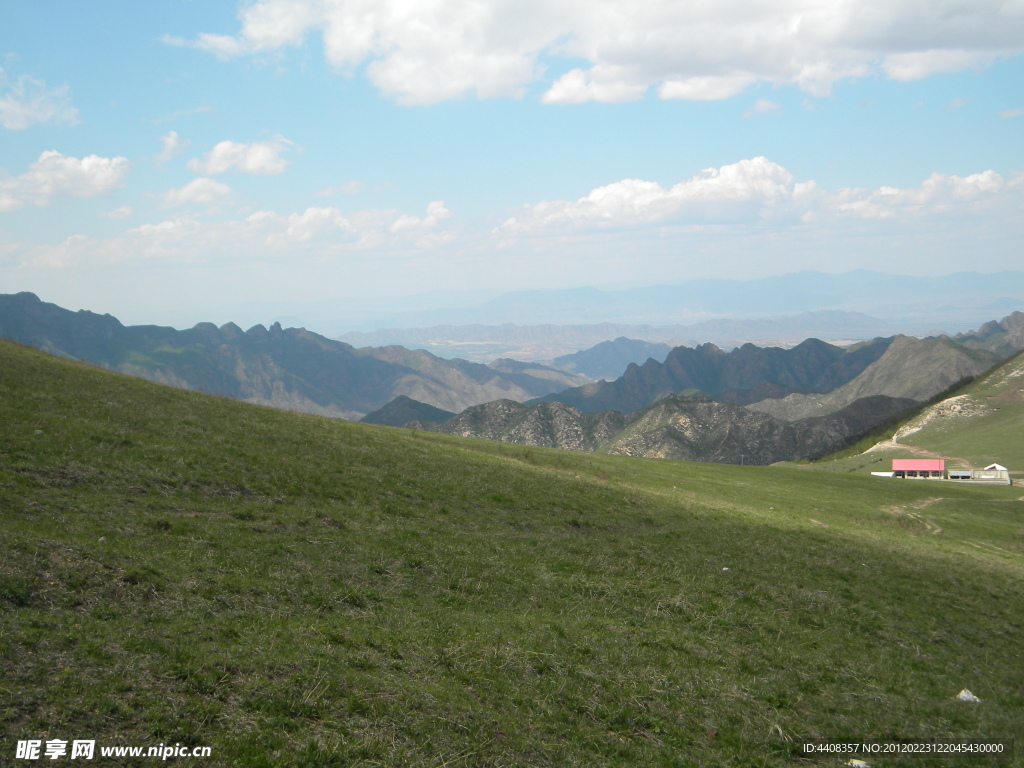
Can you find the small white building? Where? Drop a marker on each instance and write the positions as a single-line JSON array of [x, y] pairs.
[[993, 474], [935, 469]]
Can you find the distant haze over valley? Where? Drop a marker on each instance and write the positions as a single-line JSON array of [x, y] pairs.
[[552, 343], [781, 310], [913, 304]]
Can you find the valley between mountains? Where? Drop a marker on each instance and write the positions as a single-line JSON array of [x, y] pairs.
[[747, 405], [751, 405]]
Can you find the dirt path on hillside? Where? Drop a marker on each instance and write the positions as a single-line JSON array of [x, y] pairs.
[[929, 525], [893, 443]]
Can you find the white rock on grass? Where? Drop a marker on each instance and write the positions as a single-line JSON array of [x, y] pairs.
[[966, 695], [857, 763]]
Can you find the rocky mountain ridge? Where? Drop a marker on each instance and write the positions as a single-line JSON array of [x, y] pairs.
[[1004, 337], [917, 369], [812, 365], [883, 378], [289, 368], [687, 428]]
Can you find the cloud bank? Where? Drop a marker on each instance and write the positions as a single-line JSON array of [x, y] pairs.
[[736, 213], [423, 53], [54, 176], [759, 190], [315, 233]]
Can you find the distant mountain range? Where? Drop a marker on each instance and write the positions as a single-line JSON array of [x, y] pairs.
[[812, 365], [827, 395], [553, 343], [917, 304], [751, 403], [287, 368], [910, 368]]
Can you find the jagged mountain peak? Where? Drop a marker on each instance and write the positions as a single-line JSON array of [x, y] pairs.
[[290, 368]]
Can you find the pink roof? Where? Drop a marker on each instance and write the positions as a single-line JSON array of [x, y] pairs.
[[919, 465]]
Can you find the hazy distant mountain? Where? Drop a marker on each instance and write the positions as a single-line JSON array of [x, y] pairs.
[[691, 429], [286, 368], [404, 409], [543, 342], [522, 342], [920, 304], [1005, 337], [812, 365], [609, 359], [917, 369], [858, 290], [445, 383]]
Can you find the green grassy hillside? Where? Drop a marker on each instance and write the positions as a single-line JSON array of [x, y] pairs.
[[979, 424], [291, 590]]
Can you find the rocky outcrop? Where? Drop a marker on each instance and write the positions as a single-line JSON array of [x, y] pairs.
[[548, 425], [692, 429]]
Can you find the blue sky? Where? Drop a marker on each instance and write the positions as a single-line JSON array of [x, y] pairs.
[[180, 156]]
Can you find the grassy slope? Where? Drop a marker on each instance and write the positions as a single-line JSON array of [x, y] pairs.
[[993, 430], [997, 434], [292, 590]]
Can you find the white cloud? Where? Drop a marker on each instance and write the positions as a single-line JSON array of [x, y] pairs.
[[762, 107], [316, 234], [260, 157], [1008, 114], [171, 145], [921, 64], [123, 212], [938, 195], [436, 212], [201, 191], [53, 175], [577, 87], [704, 88], [446, 49], [330, 230], [27, 101], [715, 195], [758, 191]]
